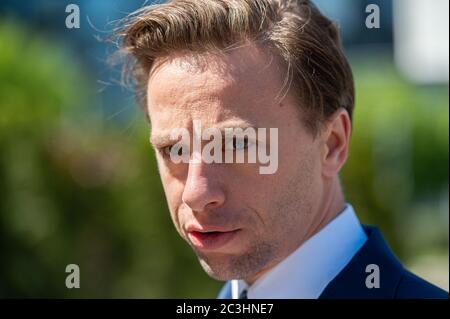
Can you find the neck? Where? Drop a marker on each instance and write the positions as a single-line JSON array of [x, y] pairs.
[[330, 206]]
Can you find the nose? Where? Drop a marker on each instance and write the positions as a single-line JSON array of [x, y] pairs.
[[202, 190]]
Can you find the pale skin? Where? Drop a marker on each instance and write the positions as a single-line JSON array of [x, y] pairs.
[[271, 215]]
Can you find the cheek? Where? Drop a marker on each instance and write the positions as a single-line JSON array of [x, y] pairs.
[[173, 190], [291, 193]]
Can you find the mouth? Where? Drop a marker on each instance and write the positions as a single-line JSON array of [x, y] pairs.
[[211, 240]]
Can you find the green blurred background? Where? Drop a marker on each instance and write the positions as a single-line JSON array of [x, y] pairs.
[[79, 182]]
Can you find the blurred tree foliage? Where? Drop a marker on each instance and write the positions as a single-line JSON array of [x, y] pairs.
[[74, 190], [397, 172]]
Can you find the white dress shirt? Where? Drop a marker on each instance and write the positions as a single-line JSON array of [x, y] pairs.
[[306, 272]]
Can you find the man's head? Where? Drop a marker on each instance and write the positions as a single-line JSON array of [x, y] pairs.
[[245, 63]]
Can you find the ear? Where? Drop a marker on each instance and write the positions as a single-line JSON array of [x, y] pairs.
[[335, 137]]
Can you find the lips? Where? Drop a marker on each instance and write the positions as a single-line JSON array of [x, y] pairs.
[[210, 239]]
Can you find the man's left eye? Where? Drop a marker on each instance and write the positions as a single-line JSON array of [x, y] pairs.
[[238, 144]]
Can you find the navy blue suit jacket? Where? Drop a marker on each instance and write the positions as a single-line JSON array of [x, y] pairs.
[[395, 282]]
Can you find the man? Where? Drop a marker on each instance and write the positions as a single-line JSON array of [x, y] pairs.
[[228, 64]]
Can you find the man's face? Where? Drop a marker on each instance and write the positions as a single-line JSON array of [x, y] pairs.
[[239, 222]]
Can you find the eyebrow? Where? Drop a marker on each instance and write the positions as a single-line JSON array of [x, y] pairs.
[[163, 139]]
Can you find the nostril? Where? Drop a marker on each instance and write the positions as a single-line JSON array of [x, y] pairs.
[[202, 196]]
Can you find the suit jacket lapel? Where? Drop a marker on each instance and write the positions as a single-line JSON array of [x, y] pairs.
[[351, 281]]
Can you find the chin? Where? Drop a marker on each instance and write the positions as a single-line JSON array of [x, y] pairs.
[[224, 269], [217, 269]]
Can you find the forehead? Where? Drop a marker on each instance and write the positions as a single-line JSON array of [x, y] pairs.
[[240, 84]]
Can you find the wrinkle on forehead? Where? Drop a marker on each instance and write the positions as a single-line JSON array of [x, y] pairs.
[[233, 60], [249, 66], [213, 87]]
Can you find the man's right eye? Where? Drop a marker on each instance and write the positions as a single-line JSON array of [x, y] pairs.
[[175, 149]]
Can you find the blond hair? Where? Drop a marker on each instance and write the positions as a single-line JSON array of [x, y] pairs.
[[307, 42]]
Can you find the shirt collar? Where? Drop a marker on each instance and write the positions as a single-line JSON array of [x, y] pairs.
[[309, 269]]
